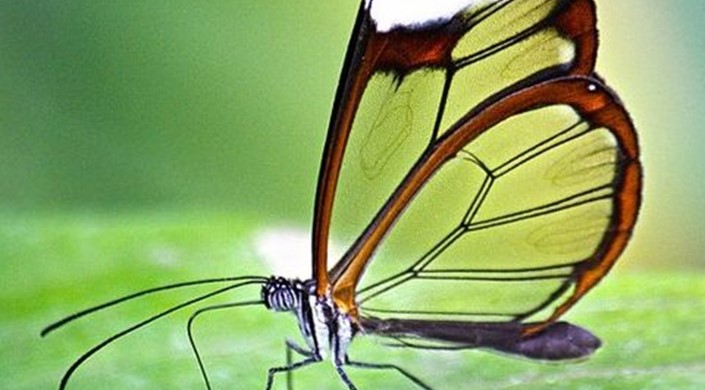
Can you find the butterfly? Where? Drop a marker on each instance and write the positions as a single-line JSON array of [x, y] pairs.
[[481, 175]]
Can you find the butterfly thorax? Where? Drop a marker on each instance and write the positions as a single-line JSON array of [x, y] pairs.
[[324, 327]]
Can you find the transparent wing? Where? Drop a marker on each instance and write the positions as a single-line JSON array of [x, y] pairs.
[[402, 89], [513, 216]]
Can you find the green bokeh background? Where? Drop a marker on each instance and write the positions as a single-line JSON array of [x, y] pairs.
[[143, 142]]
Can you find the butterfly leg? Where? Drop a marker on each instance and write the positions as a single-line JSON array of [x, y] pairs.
[[288, 368], [344, 376], [375, 366], [292, 346], [189, 330]]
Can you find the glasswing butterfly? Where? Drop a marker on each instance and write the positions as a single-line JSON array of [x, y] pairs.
[[481, 175]]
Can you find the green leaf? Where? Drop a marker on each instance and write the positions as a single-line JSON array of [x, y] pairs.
[[650, 322]]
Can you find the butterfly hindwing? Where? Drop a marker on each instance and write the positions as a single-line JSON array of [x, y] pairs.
[[493, 230]]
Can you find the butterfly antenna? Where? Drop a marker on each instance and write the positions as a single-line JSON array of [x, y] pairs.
[[58, 324], [77, 363]]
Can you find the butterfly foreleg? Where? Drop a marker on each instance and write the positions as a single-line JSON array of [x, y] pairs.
[[288, 368], [292, 346]]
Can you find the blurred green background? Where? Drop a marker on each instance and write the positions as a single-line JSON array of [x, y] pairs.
[[166, 104], [143, 142]]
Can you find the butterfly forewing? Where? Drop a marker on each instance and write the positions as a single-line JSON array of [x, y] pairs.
[[405, 86]]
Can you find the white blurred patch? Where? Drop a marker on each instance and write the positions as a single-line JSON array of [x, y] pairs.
[[287, 251], [165, 255], [388, 14]]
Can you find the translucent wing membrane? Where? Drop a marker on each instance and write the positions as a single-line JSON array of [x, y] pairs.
[[512, 216], [402, 89]]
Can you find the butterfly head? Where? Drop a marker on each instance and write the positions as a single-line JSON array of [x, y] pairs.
[[281, 294]]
